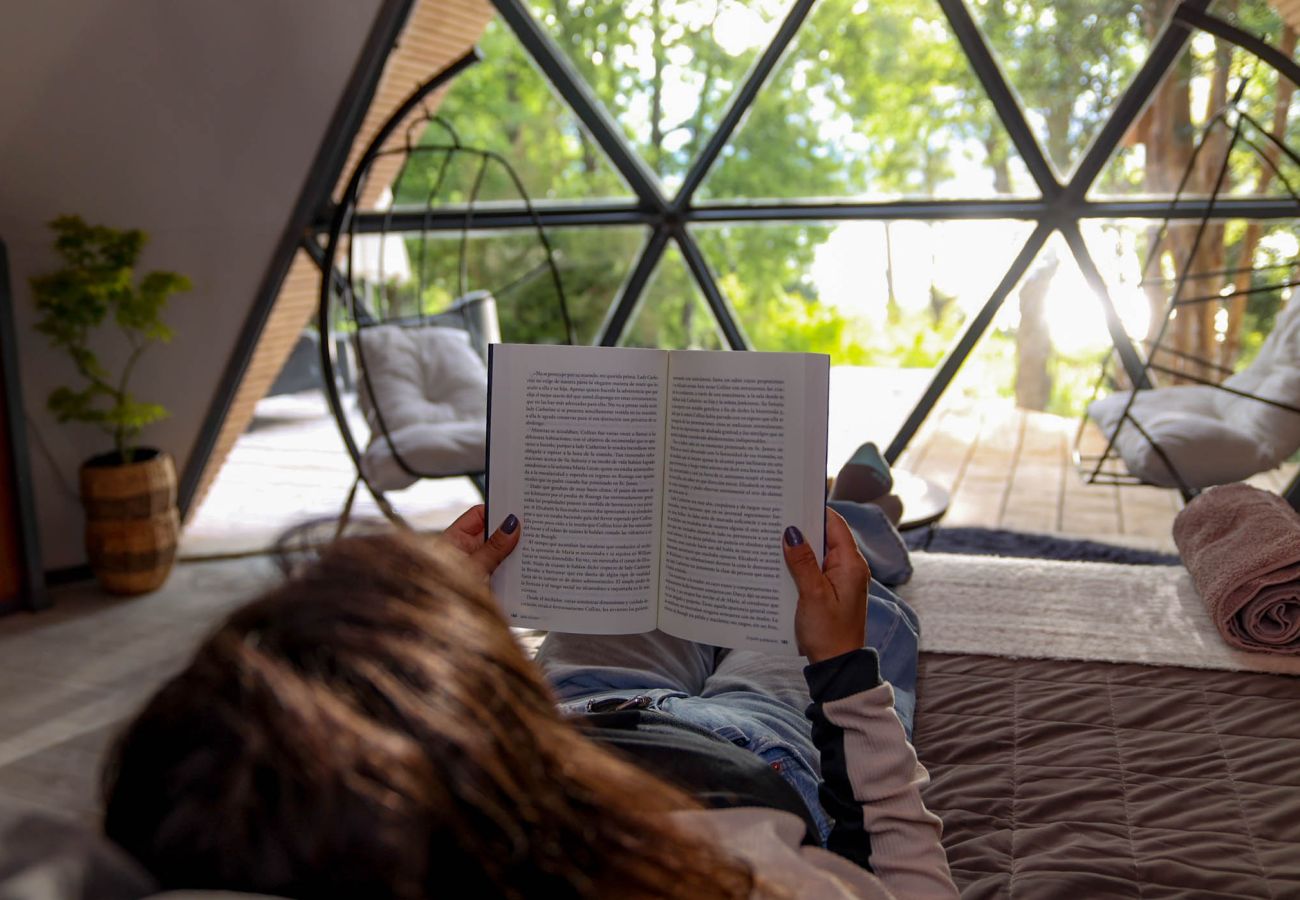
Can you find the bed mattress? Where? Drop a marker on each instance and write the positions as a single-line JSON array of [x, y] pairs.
[[1068, 779]]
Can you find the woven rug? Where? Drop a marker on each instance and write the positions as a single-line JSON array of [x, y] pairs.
[[998, 542], [1048, 609]]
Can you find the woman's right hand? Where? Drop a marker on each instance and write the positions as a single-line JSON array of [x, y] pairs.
[[831, 618]]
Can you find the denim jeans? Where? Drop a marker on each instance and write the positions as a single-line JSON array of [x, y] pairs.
[[755, 700]]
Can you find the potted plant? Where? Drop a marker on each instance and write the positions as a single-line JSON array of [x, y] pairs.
[[129, 493]]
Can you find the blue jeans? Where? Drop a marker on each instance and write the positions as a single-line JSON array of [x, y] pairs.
[[755, 700]]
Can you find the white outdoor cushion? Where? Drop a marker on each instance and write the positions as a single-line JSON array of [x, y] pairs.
[[1280, 351], [1184, 422], [1214, 436], [431, 388]]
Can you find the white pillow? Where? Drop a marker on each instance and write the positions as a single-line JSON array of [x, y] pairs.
[[1276, 428], [1281, 349], [1213, 436], [1181, 420], [431, 388], [1195, 399]]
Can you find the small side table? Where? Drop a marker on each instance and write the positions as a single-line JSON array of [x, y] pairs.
[[924, 502]]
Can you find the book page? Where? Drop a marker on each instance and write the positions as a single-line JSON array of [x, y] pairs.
[[575, 444], [746, 458]]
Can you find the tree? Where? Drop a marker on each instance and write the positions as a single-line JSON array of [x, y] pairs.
[[1211, 331], [874, 99]]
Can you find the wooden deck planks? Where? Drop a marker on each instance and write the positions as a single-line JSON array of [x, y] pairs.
[[1008, 468]]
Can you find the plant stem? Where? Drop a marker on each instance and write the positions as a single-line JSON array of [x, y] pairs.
[[125, 452]]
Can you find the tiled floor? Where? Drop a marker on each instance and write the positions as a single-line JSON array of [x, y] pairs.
[[291, 465], [71, 675]]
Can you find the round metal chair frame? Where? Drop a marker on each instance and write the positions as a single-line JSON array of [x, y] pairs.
[[1241, 125], [338, 290]]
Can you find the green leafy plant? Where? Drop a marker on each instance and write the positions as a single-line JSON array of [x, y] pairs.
[[97, 284]]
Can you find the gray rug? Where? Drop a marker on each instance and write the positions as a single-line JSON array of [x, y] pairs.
[[1023, 545]]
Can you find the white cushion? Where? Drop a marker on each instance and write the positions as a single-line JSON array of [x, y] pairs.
[[1214, 436], [1183, 421], [431, 389], [1280, 350], [1278, 428]]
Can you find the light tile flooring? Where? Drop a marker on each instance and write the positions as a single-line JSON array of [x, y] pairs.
[[70, 676]]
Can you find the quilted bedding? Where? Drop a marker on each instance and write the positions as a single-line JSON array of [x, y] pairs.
[[1060, 779]]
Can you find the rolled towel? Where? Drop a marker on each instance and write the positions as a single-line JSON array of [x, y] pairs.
[[1242, 547]]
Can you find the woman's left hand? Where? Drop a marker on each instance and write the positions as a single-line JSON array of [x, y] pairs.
[[466, 534]]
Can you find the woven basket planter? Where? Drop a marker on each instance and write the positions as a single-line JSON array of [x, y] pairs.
[[132, 524]]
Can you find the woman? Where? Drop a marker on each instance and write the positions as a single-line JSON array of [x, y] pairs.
[[372, 729]]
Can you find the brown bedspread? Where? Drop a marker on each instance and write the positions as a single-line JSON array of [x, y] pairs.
[[1087, 780]]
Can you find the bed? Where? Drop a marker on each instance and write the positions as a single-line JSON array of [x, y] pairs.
[[1079, 778]]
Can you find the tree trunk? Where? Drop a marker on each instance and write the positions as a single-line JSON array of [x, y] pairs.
[[892, 312], [1245, 261], [1169, 147], [657, 87], [995, 147], [1210, 251], [1033, 343]]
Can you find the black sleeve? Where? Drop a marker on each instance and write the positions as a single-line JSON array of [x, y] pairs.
[[829, 680]]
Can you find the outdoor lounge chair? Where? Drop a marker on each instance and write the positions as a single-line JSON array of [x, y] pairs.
[[1207, 429], [424, 394], [421, 373], [1195, 435]]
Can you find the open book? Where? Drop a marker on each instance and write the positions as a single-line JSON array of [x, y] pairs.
[[654, 487]]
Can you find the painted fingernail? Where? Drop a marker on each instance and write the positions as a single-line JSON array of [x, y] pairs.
[[510, 524], [793, 536]]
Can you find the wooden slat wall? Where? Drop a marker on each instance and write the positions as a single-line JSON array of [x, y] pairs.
[[438, 32]]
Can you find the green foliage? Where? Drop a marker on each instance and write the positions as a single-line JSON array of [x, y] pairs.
[[95, 286], [874, 99]]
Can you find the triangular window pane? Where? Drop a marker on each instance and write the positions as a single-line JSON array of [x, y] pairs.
[[886, 301], [1068, 63], [868, 293], [874, 100], [592, 263], [664, 69], [1241, 277], [1153, 156], [1000, 439], [672, 312], [503, 104]]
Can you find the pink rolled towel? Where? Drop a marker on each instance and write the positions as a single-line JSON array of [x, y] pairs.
[[1242, 546]]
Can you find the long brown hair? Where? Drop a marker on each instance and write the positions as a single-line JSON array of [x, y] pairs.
[[371, 729]]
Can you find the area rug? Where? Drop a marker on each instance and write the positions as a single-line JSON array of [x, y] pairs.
[[1049, 609], [999, 542]]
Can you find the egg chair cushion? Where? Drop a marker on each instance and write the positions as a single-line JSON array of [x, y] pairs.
[[1185, 422], [427, 387]]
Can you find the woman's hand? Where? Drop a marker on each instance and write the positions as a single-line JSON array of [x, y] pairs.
[[466, 535], [831, 618]]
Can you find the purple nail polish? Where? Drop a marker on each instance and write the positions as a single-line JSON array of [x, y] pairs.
[[510, 524], [793, 536]]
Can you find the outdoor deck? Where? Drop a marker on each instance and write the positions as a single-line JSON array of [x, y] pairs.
[[1008, 468], [1005, 468]]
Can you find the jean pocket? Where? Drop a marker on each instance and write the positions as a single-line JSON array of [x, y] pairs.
[[805, 783], [733, 734]]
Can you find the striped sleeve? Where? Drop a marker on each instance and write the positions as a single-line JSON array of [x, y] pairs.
[[871, 779]]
